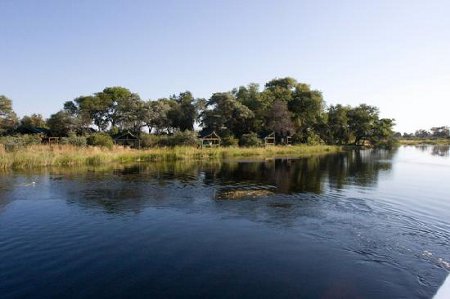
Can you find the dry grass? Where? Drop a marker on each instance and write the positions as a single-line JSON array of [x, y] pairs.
[[66, 155]]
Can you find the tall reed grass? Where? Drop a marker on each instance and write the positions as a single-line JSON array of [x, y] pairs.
[[69, 156]]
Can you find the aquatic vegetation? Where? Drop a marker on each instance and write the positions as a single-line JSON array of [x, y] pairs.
[[69, 155], [243, 193]]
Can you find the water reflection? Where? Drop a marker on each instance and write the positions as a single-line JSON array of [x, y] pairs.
[[435, 150], [132, 188], [440, 150]]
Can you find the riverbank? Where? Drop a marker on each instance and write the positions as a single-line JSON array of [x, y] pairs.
[[69, 156], [430, 141]]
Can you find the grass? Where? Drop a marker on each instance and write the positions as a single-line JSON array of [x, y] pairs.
[[431, 141], [69, 156]]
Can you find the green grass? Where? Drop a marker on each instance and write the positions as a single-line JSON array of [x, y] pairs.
[[69, 156]]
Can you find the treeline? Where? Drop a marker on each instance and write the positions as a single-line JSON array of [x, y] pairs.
[[283, 106], [435, 132]]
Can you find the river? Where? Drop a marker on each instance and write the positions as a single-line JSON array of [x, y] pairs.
[[359, 224]]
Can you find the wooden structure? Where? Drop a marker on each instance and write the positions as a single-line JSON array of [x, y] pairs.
[[274, 139], [127, 139], [269, 139], [50, 140], [210, 139], [288, 140]]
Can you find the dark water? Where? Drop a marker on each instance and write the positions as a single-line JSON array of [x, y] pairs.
[[367, 224]]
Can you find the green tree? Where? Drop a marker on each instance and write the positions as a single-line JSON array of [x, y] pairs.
[[184, 113], [156, 115], [286, 83], [441, 132], [62, 124], [339, 131], [121, 107], [278, 89], [422, 134], [307, 107], [91, 110], [361, 120], [33, 121], [226, 114], [259, 103], [383, 133], [8, 118]]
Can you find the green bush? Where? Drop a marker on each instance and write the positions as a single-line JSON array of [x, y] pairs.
[[314, 139], [250, 140], [149, 140], [12, 143], [229, 141], [100, 139], [186, 138], [74, 140]]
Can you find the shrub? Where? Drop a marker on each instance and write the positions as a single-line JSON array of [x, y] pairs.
[[229, 141], [74, 140], [12, 143], [149, 140], [314, 139], [77, 140], [186, 138], [250, 140], [100, 139]]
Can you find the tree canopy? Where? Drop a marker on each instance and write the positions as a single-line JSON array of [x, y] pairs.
[[8, 118], [284, 106]]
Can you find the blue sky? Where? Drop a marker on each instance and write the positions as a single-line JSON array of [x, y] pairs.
[[391, 54]]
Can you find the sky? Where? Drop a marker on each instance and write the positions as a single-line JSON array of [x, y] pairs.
[[393, 54]]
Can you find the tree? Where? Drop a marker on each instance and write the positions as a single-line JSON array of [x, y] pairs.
[[339, 132], [33, 121], [8, 118], [440, 132], [307, 107], [227, 114], [259, 103], [286, 83], [279, 89], [113, 108], [279, 119], [184, 113], [156, 115], [91, 109], [129, 115], [382, 133], [361, 120], [422, 134], [62, 124], [118, 106]]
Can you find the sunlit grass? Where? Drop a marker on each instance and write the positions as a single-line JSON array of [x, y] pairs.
[[69, 156]]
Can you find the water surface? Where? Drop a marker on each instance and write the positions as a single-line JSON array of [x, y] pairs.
[[362, 224]]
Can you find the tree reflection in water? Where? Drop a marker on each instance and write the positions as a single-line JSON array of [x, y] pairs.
[[134, 187]]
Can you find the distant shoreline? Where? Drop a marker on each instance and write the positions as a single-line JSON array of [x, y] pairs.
[[424, 141]]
